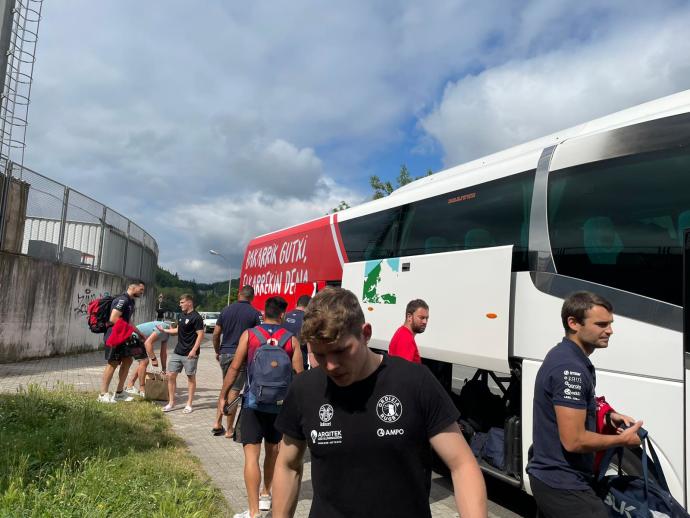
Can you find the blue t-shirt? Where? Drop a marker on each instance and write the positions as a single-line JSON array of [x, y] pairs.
[[234, 320], [147, 328], [566, 378]]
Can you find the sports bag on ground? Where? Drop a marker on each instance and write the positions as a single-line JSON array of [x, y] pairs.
[[98, 314], [270, 372], [629, 496]]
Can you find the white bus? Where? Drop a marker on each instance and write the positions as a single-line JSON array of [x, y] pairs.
[[496, 244]]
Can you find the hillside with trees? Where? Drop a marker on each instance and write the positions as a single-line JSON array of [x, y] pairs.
[[207, 297]]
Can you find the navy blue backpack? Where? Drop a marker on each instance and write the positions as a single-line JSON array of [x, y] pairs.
[[630, 496], [270, 372]]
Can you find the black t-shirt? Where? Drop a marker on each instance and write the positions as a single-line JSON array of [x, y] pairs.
[[187, 326], [125, 305], [234, 320], [369, 442], [566, 378]]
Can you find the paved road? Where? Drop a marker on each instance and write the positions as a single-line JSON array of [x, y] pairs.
[[222, 458]]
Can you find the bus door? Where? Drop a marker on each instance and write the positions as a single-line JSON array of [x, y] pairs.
[[686, 355], [468, 293]]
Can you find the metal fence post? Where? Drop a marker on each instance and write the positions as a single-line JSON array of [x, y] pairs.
[[101, 238], [4, 192], [63, 223], [124, 262]]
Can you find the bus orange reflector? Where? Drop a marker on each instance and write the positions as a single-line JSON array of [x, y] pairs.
[[491, 315]]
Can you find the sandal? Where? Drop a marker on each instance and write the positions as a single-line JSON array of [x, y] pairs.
[[217, 431], [187, 410], [229, 434], [168, 407]]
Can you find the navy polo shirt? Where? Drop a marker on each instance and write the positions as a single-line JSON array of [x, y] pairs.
[[293, 322], [566, 378], [234, 320]]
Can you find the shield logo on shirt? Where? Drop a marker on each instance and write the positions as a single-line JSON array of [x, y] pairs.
[[186, 321]]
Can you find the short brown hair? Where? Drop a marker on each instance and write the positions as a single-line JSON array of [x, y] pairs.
[[577, 304], [332, 314], [187, 296], [414, 305]]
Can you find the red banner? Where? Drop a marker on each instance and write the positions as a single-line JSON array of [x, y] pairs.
[[290, 261]]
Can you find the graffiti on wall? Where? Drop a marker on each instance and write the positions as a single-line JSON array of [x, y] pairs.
[[84, 297]]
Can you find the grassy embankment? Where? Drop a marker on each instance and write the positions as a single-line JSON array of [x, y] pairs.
[[63, 454]]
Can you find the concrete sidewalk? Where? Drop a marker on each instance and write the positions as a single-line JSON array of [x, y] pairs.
[[221, 458]]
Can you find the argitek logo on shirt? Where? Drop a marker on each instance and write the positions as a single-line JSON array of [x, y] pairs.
[[325, 415], [389, 409], [326, 438]]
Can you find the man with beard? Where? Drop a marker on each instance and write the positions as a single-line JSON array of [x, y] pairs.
[[403, 344]]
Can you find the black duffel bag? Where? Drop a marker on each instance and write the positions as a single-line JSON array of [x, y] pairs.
[[634, 496]]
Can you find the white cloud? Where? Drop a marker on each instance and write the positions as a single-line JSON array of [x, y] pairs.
[[525, 99], [189, 119], [227, 225]]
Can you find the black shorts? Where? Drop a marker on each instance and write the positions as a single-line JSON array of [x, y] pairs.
[[257, 426], [566, 503], [116, 354]]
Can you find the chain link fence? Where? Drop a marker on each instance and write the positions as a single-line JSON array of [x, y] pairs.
[[48, 220]]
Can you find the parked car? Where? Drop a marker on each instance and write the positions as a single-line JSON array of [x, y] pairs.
[[209, 320]]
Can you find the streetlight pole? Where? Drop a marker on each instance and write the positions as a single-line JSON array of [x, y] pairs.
[[213, 252]]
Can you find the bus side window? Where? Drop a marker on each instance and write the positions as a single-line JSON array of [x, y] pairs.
[[478, 238], [602, 242]]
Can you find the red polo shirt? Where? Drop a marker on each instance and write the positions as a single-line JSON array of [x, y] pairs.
[[403, 345]]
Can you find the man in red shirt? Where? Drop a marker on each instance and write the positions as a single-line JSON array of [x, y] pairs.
[[403, 344]]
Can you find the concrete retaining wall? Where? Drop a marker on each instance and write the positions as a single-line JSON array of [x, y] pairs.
[[43, 309]]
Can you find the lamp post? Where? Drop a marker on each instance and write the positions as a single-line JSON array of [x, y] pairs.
[[213, 252]]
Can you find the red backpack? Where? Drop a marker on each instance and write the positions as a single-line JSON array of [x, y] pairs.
[[98, 314]]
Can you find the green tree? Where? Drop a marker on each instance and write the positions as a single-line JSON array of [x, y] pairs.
[[341, 206], [383, 189]]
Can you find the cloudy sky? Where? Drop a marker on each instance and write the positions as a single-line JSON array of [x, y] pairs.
[[211, 122]]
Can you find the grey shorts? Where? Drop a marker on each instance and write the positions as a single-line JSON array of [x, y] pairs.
[[225, 361], [177, 361]]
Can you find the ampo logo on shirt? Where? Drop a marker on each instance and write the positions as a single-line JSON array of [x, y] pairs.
[[389, 409]]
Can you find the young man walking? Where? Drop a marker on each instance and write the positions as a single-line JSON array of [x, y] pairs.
[[152, 334], [403, 343], [190, 333], [122, 307], [561, 468], [257, 421], [234, 320], [370, 422]]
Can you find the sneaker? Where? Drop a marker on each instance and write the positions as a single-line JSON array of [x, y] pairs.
[[264, 502], [121, 396], [106, 398], [133, 391], [246, 514]]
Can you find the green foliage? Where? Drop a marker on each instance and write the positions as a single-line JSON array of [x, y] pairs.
[[207, 297], [66, 455], [341, 206], [383, 189]]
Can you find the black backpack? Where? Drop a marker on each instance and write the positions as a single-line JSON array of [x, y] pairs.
[[98, 314]]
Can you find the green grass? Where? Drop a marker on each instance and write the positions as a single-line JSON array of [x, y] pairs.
[[62, 454]]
